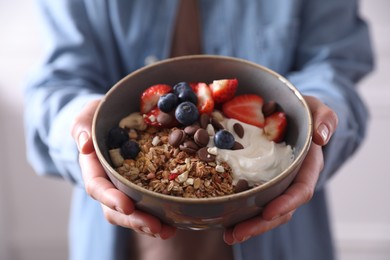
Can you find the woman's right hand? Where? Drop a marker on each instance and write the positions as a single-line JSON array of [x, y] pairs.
[[118, 208]]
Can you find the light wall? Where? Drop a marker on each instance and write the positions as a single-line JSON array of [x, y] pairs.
[[360, 194], [34, 210]]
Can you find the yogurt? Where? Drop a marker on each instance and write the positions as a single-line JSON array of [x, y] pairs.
[[260, 160]]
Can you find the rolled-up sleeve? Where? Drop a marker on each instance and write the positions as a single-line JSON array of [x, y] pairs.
[[70, 76], [334, 53]]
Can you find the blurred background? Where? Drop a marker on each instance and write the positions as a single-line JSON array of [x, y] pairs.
[[34, 211]]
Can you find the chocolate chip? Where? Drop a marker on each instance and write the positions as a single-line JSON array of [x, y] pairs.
[[204, 120], [237, 146], [217, 125], [238, 129], [269, 108], [201, 137], [165, 119], [191, 129], [205, 156], [176, 137], [189, 147], [242, 185]]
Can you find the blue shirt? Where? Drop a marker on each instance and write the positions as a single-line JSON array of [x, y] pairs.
[[321, 46]]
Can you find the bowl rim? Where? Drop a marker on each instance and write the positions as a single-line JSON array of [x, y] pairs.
[[211, 200]]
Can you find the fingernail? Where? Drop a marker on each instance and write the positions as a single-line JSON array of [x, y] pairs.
[[323, 130], [229, 240], [146, 230], [119, 210], [232, 242], [244, 239], [275, 217], [82, 140]]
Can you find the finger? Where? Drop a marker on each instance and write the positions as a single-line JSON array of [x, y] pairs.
[[301, 190], [140, 222], [81, 127], [167, 231], [325, 120], [253, 227], [100, 188]]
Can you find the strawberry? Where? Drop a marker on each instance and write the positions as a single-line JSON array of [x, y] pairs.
[[245, 108], [275, 126], [223, 89], [205, 99], [150, 96], [150, 118]]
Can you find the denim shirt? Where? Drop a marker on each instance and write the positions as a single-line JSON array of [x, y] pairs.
[[322, 47]]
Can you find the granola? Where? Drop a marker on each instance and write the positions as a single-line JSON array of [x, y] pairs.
[[165, 169]]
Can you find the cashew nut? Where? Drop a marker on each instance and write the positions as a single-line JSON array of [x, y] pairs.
[[134, 120]]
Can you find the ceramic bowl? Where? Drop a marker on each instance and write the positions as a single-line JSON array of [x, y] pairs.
[[203, 213]]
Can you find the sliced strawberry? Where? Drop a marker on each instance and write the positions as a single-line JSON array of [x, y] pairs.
[[205, 99], [275, 126], [223, 89], [150, 96], [150, 118], [245, 108]]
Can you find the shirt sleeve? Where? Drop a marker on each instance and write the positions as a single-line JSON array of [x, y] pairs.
[[333, 55], [70, 76]]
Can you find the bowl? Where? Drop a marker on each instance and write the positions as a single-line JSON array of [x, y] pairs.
[[216, 212]]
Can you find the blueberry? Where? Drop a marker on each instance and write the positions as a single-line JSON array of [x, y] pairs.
[[184, 92], [130, 149], [116, 137], [223, 139], [186, 113], [180, 87], [188, 95], [166, 103]]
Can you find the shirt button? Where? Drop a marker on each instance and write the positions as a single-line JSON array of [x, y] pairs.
[[150, 59]]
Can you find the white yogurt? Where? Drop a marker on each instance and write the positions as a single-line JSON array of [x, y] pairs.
[[260, 160]]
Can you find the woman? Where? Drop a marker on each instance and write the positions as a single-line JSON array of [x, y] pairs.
[[322, 47]]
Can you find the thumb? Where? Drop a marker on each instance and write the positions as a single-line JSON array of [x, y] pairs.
[[325, 120], [81, 129]]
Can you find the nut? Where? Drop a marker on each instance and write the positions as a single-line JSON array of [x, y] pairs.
[[212, 150], [183, 177], [116, 157], [219, 168], [133, 121], [156, 140], [217, 115]]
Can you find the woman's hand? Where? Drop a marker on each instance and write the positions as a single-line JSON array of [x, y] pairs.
[[118, 208], [281, 209]]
